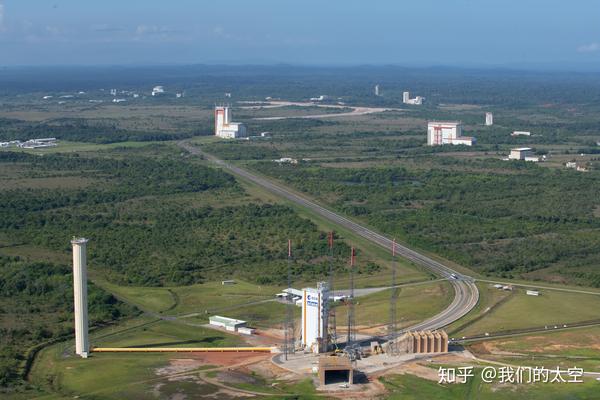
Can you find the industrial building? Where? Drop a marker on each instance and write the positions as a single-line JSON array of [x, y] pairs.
[[447, 132], [158, 90], [31, 143], [520, 153], [407, 100], [489, 119], [225, 128], [82, 345], [420, 342], [335, 370], [315, 317], [230, 324]]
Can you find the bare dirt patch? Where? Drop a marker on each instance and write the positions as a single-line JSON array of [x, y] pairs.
[[229, 359], [179, 365]]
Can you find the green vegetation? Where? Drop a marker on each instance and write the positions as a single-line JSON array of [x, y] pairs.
[[411, 387], [549, 309], [414, 304], [36, 303], [510, 220], [136, 203]]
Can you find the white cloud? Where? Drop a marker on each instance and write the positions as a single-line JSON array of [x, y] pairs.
[[1, 15], [589, 48], [153, 30]]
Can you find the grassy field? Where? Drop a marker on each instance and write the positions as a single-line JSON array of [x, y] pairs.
[[489, 298], [414, 304], [117, 376], [578, 346], [409, 387], [523, 311]]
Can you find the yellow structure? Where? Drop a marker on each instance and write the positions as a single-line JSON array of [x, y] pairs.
[[185, 350]]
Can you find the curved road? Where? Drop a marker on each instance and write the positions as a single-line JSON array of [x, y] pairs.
[[466, 293]]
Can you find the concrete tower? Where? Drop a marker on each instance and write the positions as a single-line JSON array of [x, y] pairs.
[[82, 345], [489, 119], [405, 97]]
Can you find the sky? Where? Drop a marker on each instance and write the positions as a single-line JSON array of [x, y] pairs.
[[550, 34]]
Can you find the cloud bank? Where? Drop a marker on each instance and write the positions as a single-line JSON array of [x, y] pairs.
[[589, 48]]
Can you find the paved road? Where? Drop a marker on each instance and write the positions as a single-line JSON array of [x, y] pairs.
[[354, 110], [466, 293]]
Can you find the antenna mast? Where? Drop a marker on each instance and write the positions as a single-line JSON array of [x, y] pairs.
[[393, 326], [289, 340], [350, 302], [332, 329]]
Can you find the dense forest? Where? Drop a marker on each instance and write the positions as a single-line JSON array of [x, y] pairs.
[[510, 220], [137, 203]]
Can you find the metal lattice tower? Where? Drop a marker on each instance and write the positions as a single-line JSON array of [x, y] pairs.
[[289, 344], [332, 328], [393, 326], [351, 334]]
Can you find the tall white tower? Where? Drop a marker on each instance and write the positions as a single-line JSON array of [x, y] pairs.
[[315, 317], [82, 345], [405, 97], [489, 119]]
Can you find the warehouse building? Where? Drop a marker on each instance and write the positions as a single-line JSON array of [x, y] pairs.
[[520, 153], [229, 324]]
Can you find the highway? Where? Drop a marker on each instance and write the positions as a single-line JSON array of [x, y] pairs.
[[466, 292]]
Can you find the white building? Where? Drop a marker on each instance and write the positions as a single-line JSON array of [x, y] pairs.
[[157, 90], [314, 317], [447, 132], [229, 324], [376, 90], [407, 100], [226, 129], [532, 293], [37, 143], [320, 98], [571, 164], [520, 133], [520, 153], [489, 119], [82, 344]]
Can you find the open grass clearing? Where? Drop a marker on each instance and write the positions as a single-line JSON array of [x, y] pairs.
[[550, 308], [410, 387], [414, 304]]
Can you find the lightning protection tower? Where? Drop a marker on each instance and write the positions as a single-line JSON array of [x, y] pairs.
[[393, 326], [289, 340], [82, 345], [351, 334], [332, 328]]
